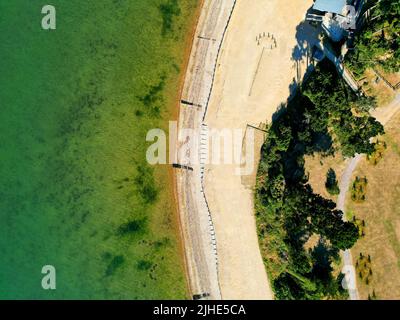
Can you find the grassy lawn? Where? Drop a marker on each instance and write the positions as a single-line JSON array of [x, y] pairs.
[[392, 77], [359, 189], [377, 88], [317, 166], [381, 212]]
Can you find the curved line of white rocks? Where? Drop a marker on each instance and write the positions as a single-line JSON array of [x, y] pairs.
[[203, 150]]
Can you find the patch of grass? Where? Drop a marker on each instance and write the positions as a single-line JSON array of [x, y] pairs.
[[364, 268], [394, 241], [381, 213], [360, 225], [317, 166], [349, 215], [376, 88], [359, 189], [395, 146], [377, 155]]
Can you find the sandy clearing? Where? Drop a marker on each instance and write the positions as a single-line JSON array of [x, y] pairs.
[[385, 113], [251, 82]]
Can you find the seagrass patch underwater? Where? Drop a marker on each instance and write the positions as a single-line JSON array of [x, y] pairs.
[[76, 191]]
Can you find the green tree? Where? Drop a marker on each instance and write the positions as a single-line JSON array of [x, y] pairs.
[[331, 183]]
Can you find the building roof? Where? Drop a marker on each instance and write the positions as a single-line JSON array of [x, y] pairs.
[[334, 6]]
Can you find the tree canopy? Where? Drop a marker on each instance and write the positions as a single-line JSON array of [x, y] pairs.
[[322, 117]]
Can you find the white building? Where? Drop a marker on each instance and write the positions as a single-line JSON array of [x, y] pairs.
[[337, 17]]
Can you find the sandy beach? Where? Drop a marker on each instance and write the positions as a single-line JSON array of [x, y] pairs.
[[247, 58], [253, 78], [197, 228]]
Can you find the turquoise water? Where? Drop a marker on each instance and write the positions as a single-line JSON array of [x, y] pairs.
[[75, 106]]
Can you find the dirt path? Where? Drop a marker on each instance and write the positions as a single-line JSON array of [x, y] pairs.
[[383, 115], [253, 78]]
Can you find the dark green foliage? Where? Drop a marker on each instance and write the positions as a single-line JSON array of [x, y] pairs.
[[354, 134], [115, 263], [333, 108], [379, 43], [288, 211], [132, 227], [153, 99], [365, 104], [328, 222], [168, 11], [144, 265], [287, 288], [331, 183], [145, 184]]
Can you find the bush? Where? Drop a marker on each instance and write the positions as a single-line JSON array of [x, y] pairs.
[[331, 183]]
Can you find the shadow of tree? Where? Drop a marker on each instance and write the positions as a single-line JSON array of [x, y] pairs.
[[323, 255], [307, 35], [288, 211]]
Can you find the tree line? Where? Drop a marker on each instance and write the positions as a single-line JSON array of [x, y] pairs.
[[378, 43], [324, 116]]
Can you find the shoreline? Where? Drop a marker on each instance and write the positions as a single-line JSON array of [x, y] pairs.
[[195, 219], [215, 206], [175, 115]]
